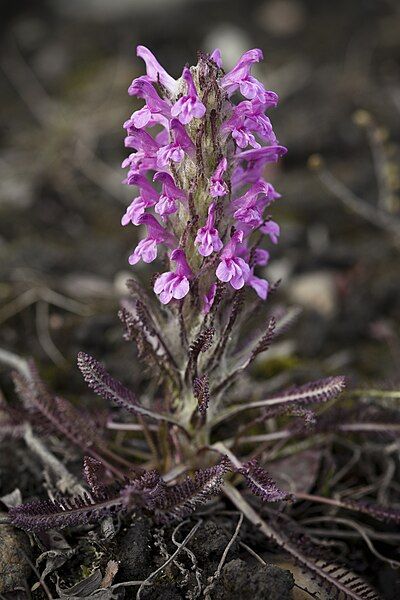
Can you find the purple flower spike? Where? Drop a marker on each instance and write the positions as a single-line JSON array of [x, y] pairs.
[[232, 268], [272, 229], [196, 168], [188, 107], [218, 186], [166, 204], [155, 72], [176, 150], [239, 77], [146, 249], [207, 239], [174, 284]]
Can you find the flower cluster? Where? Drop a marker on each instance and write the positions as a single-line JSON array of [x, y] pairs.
[[200, 144]]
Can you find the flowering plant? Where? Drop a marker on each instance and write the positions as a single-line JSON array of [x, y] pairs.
[[208, 155], [200, 143]]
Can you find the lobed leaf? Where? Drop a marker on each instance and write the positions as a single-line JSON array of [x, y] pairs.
[[103, 384], [261, 484]]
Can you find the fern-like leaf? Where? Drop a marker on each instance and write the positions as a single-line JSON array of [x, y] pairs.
[[183, 498], [338, 581], [261, 484], [94, 473], [377, 511], [59, 412], [67, 512], [146, 491], [266, 340], [201, 391], [315, 392], [103, 384], [202, 343]]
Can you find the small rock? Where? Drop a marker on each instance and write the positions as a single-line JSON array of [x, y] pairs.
[[258, 582], [14, 565], [209, 543], [316, 290], [134, 551]]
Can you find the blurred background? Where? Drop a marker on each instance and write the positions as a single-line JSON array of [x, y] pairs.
[[65, 68]]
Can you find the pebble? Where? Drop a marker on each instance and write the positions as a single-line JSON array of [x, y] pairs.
[[14, 565], [316, 291]]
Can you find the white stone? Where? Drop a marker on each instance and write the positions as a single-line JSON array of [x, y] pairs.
[[316, 290]]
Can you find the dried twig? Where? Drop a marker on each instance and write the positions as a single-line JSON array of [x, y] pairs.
[[170, 559], [213, 579]]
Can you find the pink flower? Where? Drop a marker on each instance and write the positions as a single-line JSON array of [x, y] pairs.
[[272, 229], [218, 186], [249, 117], [239, 76], [155, 72], [216, 57], [255, 160], [142, 88], [142, 141], [147, 248], [174, 284], [145, 118], [260, 286], [167, 202], [238, 126], [138, 162], [261, 257], [265, 154], [208, 299], [252, 203], [255, 119], [148, 197], [176, 150], [232, 268], [207, 239], [243, 137], [250, 172], [169, 152], [189, 106]]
